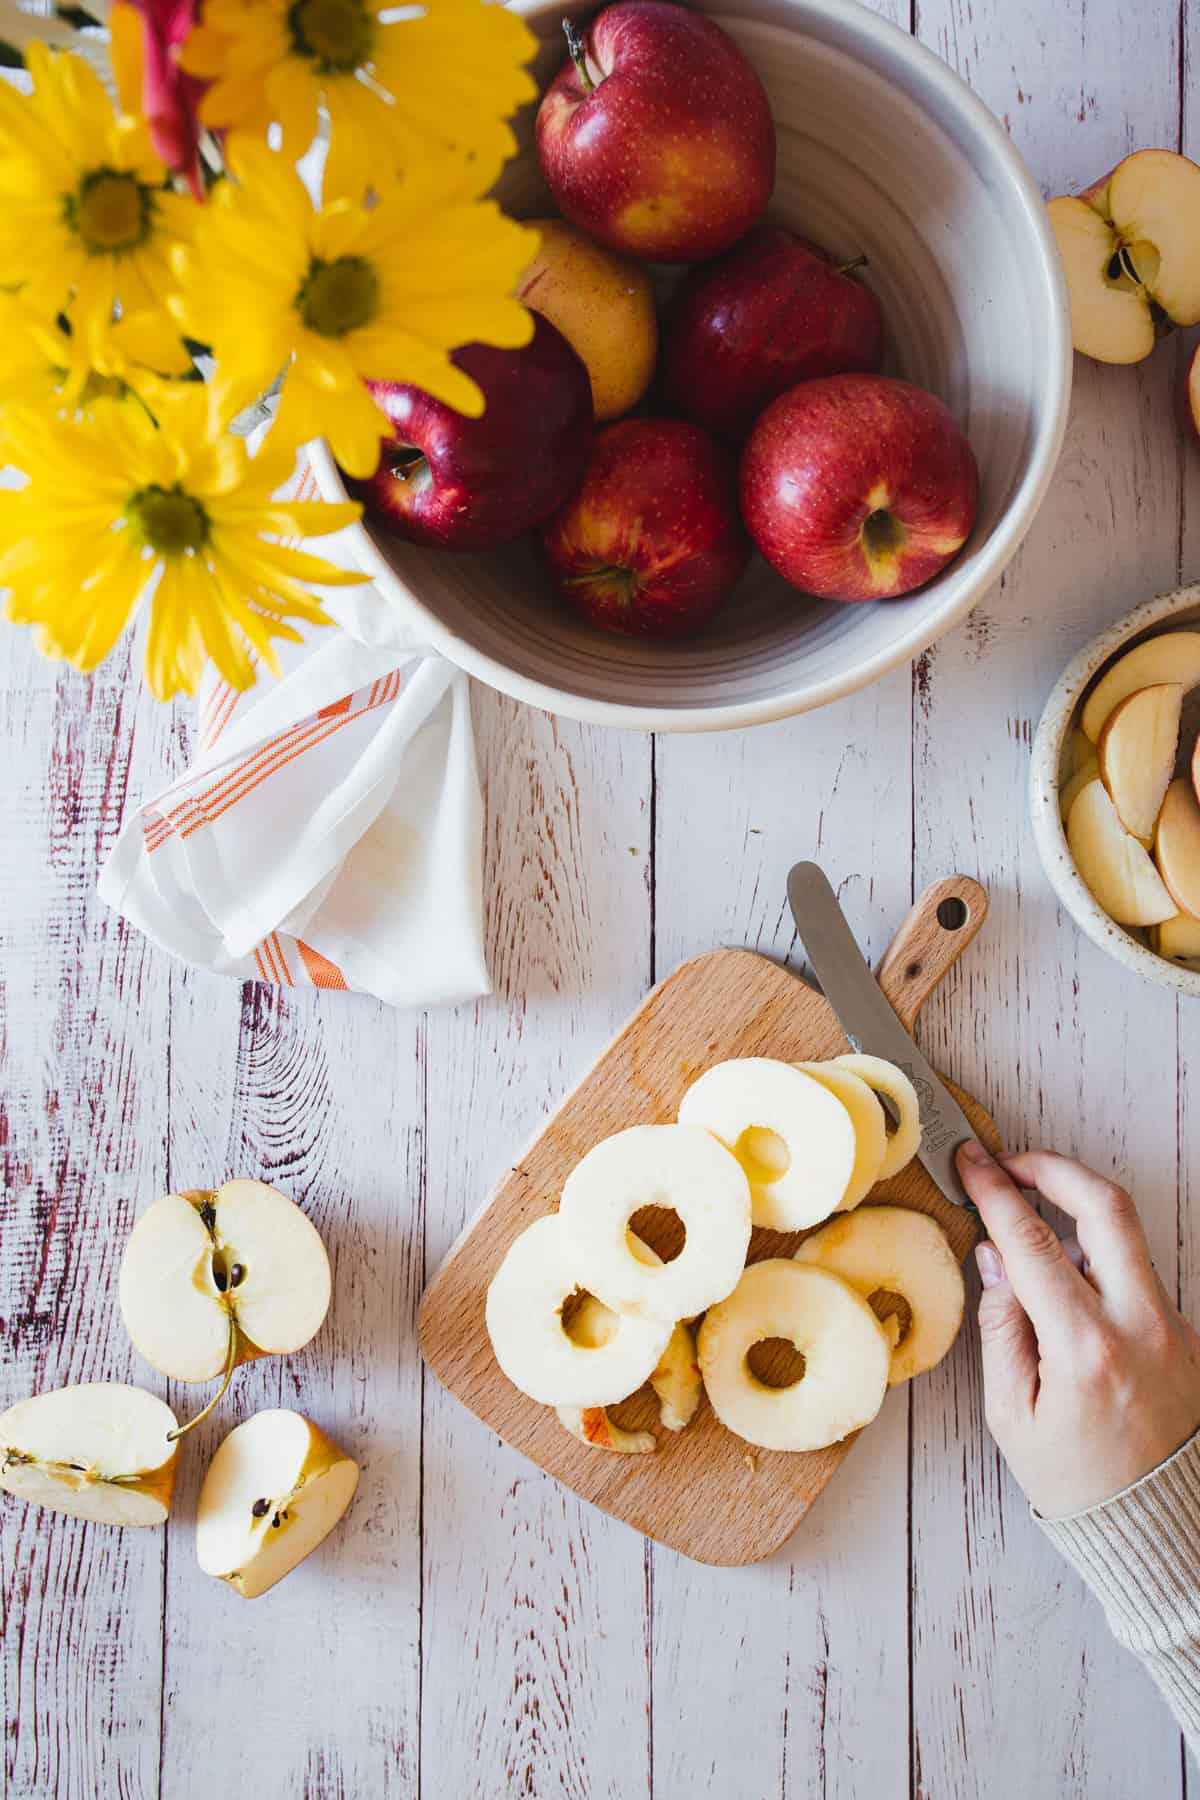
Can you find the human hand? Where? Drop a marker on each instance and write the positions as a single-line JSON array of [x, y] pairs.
[[1091, 1374]]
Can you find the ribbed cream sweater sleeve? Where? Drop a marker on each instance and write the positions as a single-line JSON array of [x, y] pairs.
[[1140, 1553]]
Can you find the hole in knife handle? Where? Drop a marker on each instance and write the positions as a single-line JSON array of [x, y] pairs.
[[952, 914]]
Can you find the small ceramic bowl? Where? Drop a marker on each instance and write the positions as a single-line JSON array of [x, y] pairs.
[[883, 151], [1049, 768]]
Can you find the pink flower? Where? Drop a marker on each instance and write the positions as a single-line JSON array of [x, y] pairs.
[[169, 97]]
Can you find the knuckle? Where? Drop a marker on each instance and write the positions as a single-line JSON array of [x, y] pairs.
[[1033, 1237], [1097, 1358], [1118, 1202]]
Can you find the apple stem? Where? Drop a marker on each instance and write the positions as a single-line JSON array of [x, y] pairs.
[[856, 262], [578, 54], [230, 1366]]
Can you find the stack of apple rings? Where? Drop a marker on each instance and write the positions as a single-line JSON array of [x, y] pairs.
[[581, 1313]]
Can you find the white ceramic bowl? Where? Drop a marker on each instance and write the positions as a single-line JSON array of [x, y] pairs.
[[1048, 770], [882, 151]]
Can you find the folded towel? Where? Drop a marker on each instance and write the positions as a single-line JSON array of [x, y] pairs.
[[329, 832]]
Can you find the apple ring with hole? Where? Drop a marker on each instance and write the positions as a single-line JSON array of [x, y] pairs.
[[524, 1315], [870, 1127], [677, 1167], [845, 1349], [676, 1381], [792, 1136], [901, 1263], [886, 1079]]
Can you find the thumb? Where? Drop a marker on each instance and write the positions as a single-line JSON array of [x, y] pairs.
[[1008, 1344]]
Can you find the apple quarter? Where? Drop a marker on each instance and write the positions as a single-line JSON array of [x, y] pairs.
[[99, 1451], [683, 1169]]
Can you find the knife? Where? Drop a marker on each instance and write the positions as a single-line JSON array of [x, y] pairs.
[[871, 1025]]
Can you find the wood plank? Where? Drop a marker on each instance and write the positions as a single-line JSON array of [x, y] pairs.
[[536, 1677], [803, 1683], [1075, 1053], [314, 1688], [84, 1019]]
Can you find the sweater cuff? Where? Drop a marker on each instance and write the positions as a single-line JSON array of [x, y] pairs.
[[1140, 1554]]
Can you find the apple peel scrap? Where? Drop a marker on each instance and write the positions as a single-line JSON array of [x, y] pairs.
[[582, 1312]]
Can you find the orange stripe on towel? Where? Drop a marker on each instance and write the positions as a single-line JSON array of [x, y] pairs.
[[321, 972]]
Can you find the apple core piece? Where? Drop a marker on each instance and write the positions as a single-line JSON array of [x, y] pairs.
[[100, 1451], [275, 1489], [592, 1426], [682, 1169], [525, 1301], [845, 1349], [903, 1266], [792, 1135], [870, 1127], [886, 1079]]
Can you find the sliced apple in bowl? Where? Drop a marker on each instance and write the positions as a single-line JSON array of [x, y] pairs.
[[1173, 657], [1177, 847], [1177, 939], [1136, 754], [1115, 867]]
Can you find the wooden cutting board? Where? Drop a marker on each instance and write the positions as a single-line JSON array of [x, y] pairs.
[[703, 1491]]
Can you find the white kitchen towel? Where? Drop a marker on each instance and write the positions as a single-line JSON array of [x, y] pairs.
[[329, 832]]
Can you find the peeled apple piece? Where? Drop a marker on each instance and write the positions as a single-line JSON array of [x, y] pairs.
[[792, 1136], [237, 1272], [524, 1316], [845, 1349], [890, 1254], [275, 1489], [675, 1381], [870, 1127], [592, 1426], [885, 1078], [678, 1167], [97, 1451]]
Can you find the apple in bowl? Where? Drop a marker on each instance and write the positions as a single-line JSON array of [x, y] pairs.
[[774, 311], [858, 487], [656, 135], [455, 483], [651, 543]]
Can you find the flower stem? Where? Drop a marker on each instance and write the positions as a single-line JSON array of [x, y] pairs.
[[578, 54]]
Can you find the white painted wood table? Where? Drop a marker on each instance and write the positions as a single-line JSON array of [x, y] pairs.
[[474, 1629]]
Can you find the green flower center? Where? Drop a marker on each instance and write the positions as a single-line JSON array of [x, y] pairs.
[[110, 211], [167, 520], [101, 387], [337, 297], [337, 34]]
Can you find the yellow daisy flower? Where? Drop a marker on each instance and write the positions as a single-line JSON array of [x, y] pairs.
[[346, 293], [82, 203], [48, 363], [449, 74], [117, 509]]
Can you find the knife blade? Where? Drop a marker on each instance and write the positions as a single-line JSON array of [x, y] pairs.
[[870, 1024]]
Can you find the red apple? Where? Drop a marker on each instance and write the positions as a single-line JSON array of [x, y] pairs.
[[655, 136], [858, 487], [465, 484], [776, 310], [651, 542], [1191, 394]]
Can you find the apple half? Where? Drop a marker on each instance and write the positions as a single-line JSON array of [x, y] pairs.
[[102, 1451], [1173, 657], [210, 1280], [1136, 754], [1114, 866], [1131, 254], [275, 1489], [1177, 848]]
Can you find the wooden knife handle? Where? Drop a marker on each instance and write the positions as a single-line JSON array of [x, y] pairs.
[[944, 920]]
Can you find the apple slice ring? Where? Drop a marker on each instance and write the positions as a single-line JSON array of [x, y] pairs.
[[792, 1135], [889, 1255], [525, 1323], [886, 1079], [845, 1349], [683, 1169], [870, 1127]]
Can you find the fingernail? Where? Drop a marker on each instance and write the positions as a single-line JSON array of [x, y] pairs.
[[974, 1152], [991, 1267]]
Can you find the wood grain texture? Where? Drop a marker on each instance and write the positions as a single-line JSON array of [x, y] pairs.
[[700, 1493]]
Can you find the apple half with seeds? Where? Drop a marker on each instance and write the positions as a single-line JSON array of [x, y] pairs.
[[102, 1450], [211, 1279]]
